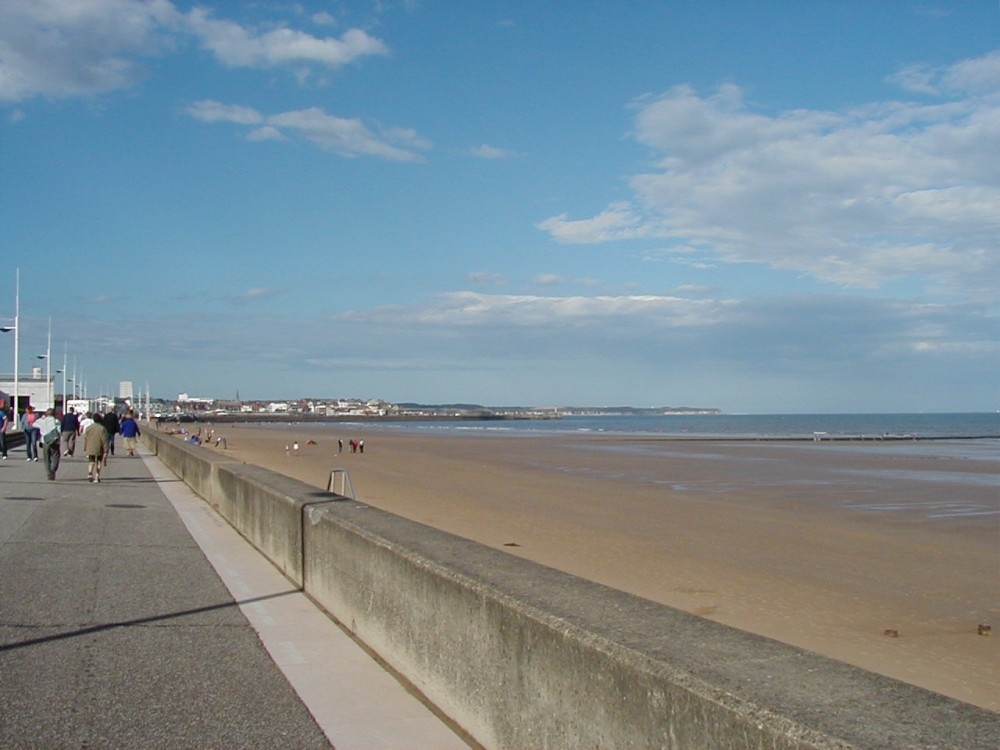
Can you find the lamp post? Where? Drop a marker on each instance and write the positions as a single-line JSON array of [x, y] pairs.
[[49, 390], [16, 328], [48, 368]]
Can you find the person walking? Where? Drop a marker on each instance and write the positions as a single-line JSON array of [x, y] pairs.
[[112, 426], [3, 431], [47, 427], [69, 428], [85, 421], [129, 430], [95, 446], [31, 435]]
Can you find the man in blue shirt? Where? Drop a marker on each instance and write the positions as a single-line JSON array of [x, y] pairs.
[[130, 431]]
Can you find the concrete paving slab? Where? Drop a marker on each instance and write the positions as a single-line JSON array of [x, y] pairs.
[[117, 629], [358, 703]]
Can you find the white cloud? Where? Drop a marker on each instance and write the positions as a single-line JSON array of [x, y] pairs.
[[918, 79], [344, 136], [237, 46], [349, 137], [323, 19], [617, 222], [465, 309], [70, 48], [66, 48], [855, 197], [776, 353], [266, 133], [980, 75], [212, 111], [651, 346], [407, 137]]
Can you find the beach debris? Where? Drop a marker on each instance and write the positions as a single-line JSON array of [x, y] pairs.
[[890, 633], [511, 544], [984, 630]]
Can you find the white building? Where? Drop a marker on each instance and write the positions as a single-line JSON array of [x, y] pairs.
[[185, 398], [36, 389], [125, 390]]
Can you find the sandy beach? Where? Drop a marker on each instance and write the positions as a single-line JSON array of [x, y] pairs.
[[885, 556]]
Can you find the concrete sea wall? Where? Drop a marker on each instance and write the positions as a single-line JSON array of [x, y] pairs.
[[523, 656]]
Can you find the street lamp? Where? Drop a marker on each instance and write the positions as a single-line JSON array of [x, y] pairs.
[[49, 391], [65, 347], [17, 342]]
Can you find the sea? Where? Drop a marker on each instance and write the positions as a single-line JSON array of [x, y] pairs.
[[972, 437], [981, 425]]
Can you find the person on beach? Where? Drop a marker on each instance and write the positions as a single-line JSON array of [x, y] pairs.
[[95, 446], [129, 430], [112, 426], [69, 428], [340, 446], [31, 435], [47, 428]]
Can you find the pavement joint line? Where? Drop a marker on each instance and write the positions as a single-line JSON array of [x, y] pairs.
[[371, 712]]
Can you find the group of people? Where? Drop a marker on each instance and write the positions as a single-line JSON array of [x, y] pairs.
[[357, 446], [56, 437]]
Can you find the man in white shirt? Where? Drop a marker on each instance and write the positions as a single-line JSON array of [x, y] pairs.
[[47, 429]]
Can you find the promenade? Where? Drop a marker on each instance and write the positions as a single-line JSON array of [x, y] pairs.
[[132, 616]]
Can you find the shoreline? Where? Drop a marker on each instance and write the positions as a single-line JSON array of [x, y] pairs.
[[825, 550], [195, 422]]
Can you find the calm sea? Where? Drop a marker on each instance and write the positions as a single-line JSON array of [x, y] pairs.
[[742, 425]]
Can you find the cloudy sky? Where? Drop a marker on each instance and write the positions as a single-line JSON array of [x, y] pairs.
[[773, 206]]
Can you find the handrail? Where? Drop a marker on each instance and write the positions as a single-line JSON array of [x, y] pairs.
[[346, 488]]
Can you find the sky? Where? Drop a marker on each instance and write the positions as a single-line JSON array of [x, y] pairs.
[[761, 207]]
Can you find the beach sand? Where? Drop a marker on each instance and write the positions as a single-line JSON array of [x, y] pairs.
[[824, 546]]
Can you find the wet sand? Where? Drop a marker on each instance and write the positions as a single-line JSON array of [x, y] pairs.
[[824, 546]]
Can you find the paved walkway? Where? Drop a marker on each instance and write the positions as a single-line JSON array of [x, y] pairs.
[[132, 616]]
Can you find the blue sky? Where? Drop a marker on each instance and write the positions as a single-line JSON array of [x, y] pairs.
[[757, 206]]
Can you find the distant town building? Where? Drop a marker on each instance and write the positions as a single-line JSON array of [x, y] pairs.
[[184, 398], [125, 390], [36, 389]]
